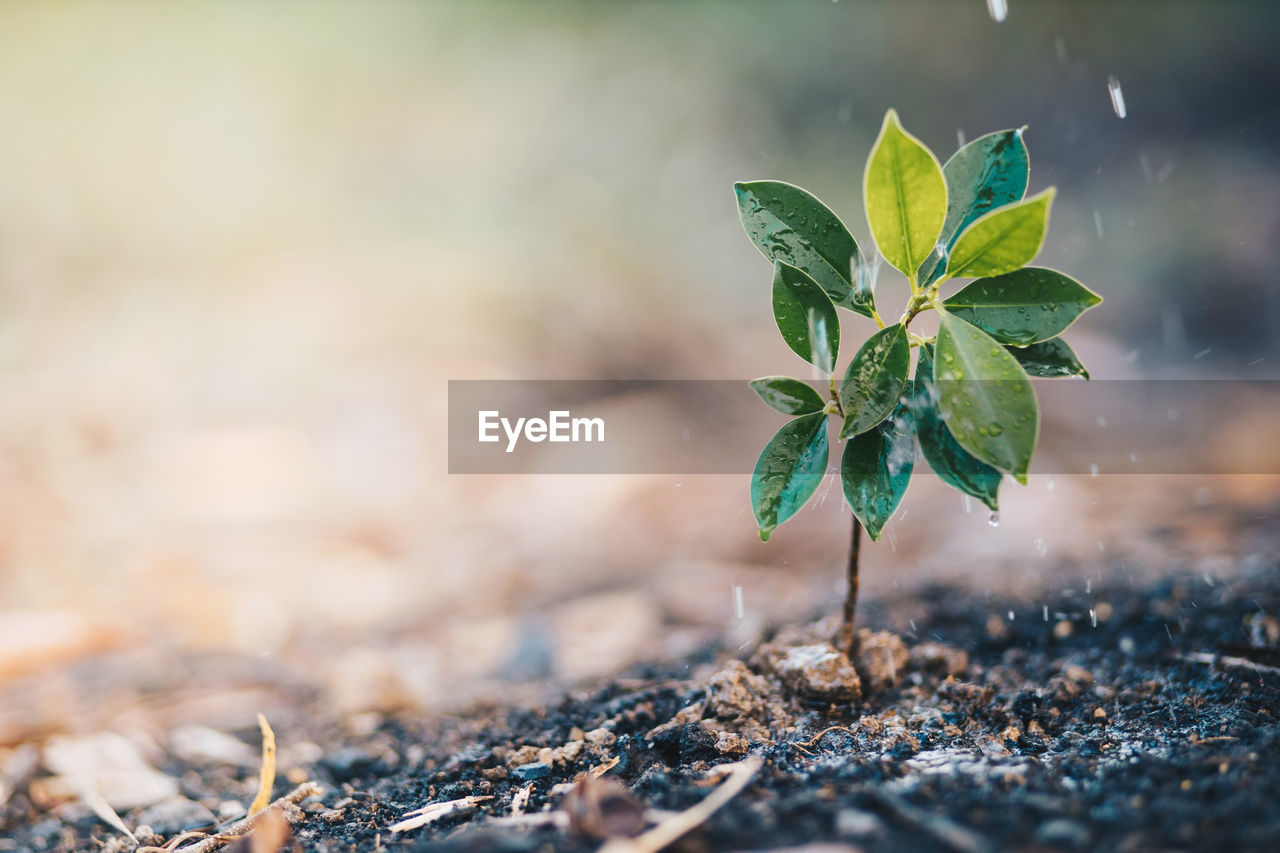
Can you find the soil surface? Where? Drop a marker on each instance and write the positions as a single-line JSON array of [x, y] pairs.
[[1114, 715]]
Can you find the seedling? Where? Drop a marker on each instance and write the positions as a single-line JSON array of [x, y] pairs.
[[969, 405]]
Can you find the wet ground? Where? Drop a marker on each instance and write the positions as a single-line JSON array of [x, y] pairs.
[[1120, 714]]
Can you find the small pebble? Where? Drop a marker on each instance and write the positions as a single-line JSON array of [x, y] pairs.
[[530, 772]]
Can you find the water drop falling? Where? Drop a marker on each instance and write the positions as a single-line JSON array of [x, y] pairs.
[[999, 10], [1117, 96], [994, 519], [737, 601]]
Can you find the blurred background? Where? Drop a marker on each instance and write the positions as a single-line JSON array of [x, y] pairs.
[[244, 246]]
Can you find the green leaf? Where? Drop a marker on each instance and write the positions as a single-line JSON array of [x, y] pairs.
[[787, 395], [955, 465], [989, 172], [789, 471], [905, 195], [985, 397], [1022, 307], [875, 471], [805, 316], [874, 381], [1003, 240], [1049, 359], [788, 224]]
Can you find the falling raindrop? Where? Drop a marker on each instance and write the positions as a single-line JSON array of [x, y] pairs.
[[1050, 484], [737, 601], [1093, 469], [1202, 353], [1097, 223], [1046, 613], [1012, 616], [1093, 617], [959, 137], [999, 10], [968, 505], [1102, 422], [1117, 96], [1133, 457], [1060, 45], [994, 519]]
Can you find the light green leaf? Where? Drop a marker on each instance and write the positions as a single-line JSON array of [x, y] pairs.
[[875, 471], [874, 381], [989, 172], [805, 316], [1003, 240], [788, 224], [1022, 307], [789, 471], [955, 465], [985, 398], [1049, 359], [787, 395], [905, 195]]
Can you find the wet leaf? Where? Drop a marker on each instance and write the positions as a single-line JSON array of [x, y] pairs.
[[790, 225], [1002, 240], [876, 469], [955, 465], [1049, 359], [1022, 307], [906, 196], [805, 316], [874, 380], [989, 172], [789, 471], [984, 397], [787, 395]]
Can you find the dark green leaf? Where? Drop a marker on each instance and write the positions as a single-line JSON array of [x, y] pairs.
[[985, 397], [875, 470], [955, 465], [789, 471], [1048, 359], [1022, 307], [989, 172], [805, 316], [787, 395], [788, 224], [1003, 239], [874, 381]]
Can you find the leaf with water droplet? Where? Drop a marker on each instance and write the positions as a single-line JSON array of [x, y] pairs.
[[874, 380], [789, 224], [1002, 240], [980, 385], [989, 172], [787, 395], [1049, 359], [788, 471], [905, 196], [1023, 307], [951, 462], [805, 316], [875, 471]]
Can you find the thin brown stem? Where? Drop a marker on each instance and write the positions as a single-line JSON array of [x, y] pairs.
[[851, 597]]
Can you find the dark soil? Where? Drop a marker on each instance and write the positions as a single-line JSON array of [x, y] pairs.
[[1105, 717]]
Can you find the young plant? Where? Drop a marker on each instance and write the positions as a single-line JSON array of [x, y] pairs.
[[969, 404]]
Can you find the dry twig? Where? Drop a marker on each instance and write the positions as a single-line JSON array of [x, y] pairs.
[[247, 824], [434, 811], [267, 777], [682, 823]]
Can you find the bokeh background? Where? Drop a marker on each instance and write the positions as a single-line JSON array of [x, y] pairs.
[[244, 246]]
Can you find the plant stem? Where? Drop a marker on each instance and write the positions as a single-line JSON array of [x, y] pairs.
[[851, 597]]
